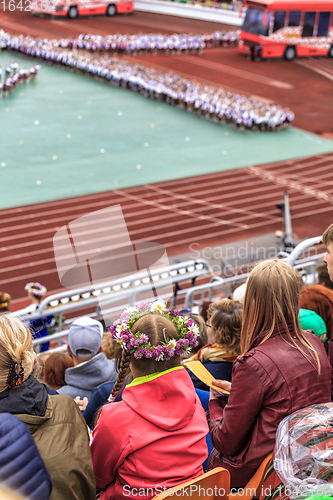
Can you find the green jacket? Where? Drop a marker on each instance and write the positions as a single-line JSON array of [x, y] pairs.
[[62, 440]]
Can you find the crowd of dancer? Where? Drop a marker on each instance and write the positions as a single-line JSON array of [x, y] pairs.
[[151, 43], [207, 101], [13, 76]]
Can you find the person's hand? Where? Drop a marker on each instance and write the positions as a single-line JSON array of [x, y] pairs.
[[222, 384], [82, 403]]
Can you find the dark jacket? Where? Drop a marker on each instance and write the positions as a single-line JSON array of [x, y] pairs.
[[60, 434], [21, 466], [269, 382], [221, 370]]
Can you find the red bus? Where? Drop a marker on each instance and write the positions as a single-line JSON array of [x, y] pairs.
[[75, 8], [287, 28]]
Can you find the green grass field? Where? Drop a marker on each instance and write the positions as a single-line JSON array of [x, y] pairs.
[[66, 135]]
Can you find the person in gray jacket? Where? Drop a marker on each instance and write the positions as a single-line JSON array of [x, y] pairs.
[[91, 367]]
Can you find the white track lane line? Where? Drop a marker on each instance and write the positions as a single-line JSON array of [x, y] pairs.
[[298, 186], [218, 206], [321, 72]]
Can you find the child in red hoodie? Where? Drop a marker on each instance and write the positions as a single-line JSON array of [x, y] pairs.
[[155, 438]]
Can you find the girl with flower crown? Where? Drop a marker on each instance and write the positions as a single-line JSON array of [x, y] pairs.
[[155, 436]]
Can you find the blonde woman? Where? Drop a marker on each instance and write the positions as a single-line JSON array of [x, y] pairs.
[[282, 369], [55, 422]]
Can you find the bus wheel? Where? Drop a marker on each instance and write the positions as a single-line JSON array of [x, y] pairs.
[[330, 52], [111, 10], [290, 53], [72, 12]]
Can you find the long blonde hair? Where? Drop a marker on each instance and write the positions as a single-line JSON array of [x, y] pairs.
[[15, 347], [272, 299]]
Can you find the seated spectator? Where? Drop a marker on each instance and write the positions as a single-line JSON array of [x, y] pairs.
[[4, 303], [54, 369], [239, 293], [224, 328], [309, 320], [21, 466], [323, 276], [155, 436], [282, 370], [319, 299], [202, 337], [38, 327], [91, 367], [203, 309], [328, 242], [55, 422]]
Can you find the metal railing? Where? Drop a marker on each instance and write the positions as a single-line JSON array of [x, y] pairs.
[[307, 265], [127, 288], [119, 290]]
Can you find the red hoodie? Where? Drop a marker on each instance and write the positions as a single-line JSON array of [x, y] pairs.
[[154, 438]]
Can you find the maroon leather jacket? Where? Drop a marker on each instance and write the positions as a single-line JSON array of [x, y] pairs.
[[269, 382]]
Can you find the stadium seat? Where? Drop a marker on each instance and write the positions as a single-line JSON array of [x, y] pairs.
[[214, 484], [253, 487]]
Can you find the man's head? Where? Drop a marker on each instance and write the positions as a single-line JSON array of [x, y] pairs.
[[328, 242], [84, 339]]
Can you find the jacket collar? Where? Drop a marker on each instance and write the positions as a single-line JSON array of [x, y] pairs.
[[278, 330], [29, 398]]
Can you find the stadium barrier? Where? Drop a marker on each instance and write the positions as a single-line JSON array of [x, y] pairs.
[[305, 265], [233, 18]]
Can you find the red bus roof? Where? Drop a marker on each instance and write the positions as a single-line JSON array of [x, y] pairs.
[[292, 4]]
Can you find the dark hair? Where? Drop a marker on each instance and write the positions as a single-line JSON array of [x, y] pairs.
[[158, 328], [226, 321], [323, 276], [204, 308], [55, 367], [319, 299], [4, 301]]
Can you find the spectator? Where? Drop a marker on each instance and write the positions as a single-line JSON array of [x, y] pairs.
[[282, 370], [4, 303], [202, 338], [224, 328], [203, 309], [323, 276], [21, 466], [38, 327], [309, 320], [155, 436], [55, 422], [91, 367], [328, 242], [54, 369], [319, 299], [239, 293]]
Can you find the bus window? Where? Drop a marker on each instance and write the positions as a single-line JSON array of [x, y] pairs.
[[294, 18], [308, 25], [279, 19], [256, 21], [324, 22]]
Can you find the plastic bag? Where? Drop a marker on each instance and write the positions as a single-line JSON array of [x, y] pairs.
[[303, 457]]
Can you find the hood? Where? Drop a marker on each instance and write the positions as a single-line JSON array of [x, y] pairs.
[[167, 399], [92, 373], [35, 421], [29, 398]]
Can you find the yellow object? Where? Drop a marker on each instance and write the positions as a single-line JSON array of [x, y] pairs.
[[204, 375]]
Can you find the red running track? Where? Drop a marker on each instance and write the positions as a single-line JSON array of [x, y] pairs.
[[209, 210]]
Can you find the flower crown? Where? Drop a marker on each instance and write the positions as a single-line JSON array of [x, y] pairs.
[[35, 289], [139, 344]]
